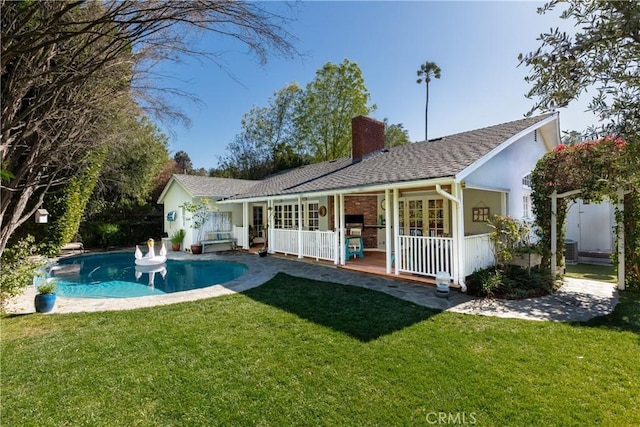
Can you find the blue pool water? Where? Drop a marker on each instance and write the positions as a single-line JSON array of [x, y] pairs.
[[115, 275]]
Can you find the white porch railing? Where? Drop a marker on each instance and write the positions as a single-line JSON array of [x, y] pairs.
[[318, 244], [240, 235], [425, 255], [477, 253], [285, 241], [315, 244]]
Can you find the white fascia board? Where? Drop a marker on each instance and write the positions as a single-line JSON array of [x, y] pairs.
[[353, 190], [484, 159], [471, 186]]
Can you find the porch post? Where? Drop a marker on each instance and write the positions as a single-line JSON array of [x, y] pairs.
[[336, 227], [396, 228], [620, 224], [270, 221], [299, 227], [388, 250], [341, 248], [458, 193], [554, 232], [245, 222]]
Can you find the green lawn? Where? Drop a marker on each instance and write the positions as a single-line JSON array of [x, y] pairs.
[[300, 352], [603, 273]]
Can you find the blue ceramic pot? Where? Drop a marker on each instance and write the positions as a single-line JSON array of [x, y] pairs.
[[45, 302]]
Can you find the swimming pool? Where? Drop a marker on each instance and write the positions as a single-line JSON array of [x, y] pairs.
[[115, 275]]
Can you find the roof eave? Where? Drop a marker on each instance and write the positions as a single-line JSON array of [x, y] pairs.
[[485, 158], [402, 185], [166, 189]]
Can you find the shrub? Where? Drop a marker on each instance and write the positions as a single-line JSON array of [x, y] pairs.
[[20, 264], [510, 282]]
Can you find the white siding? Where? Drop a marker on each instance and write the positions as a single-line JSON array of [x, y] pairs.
[[506, 169]]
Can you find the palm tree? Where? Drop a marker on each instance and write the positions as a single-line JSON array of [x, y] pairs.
[[426, 71]]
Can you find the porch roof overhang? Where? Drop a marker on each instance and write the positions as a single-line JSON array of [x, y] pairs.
[[348, 190]]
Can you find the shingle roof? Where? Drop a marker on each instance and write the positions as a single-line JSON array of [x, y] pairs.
[[442, 157], [202, 186]]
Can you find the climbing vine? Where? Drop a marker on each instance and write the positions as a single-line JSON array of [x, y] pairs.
[[72, 203], [597, 168]]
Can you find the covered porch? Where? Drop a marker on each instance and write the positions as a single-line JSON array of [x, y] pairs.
[[415, 231]]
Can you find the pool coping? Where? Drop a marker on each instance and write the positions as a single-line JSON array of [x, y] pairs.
[[576, 300]]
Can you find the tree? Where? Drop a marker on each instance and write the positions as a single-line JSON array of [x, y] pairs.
[[183, 161], [572, 137], [426, 71], [268, 142], [127, 176], [395, 135], [336, 95], [246, 159], [601, 58], [66, 66]]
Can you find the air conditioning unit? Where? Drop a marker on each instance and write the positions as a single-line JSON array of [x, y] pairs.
[[570, 251]]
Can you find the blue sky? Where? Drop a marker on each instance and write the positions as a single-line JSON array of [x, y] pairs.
[[476, 45]]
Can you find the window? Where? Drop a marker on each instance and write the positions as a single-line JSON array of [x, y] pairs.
[[313, 220], [526, 206], [423, 217], [526, 181], [218, 221], [286, 215]]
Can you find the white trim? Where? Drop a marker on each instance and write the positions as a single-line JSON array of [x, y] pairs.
[[347, 191], [387, 231], [488, 156], [470, 186], [166, 189], [396, 227]]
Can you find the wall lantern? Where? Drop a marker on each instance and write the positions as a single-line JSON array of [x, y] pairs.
[[442, 284], [171, 216], [42, 216]]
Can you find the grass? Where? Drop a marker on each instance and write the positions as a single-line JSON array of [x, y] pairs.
[[603, 273], [301, 352]]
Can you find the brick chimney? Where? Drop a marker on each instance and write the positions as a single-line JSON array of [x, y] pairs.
[[367, 136]]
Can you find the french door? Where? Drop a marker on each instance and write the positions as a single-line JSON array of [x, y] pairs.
[[423, 216], [258, 220]]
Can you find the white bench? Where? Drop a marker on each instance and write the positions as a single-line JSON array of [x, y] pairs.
[[219, 238]]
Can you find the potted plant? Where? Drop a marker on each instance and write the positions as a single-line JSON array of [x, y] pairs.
[[514, 242], [527, 256], [199, 215], [176, 239], [46, 296]]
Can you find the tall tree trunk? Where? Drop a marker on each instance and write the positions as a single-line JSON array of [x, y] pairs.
[[426, 115]]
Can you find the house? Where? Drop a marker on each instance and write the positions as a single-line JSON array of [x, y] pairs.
[[424, 205], [192, 188]]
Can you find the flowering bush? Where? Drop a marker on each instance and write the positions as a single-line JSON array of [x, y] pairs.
[[597, 168]]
